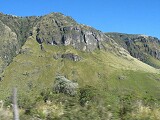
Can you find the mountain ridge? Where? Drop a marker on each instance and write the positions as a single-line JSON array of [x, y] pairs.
[[142, 47], [65, 70], [63, 30]]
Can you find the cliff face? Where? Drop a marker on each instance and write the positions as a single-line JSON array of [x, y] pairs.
[[142, 47], [13, 33], [9, 46], [57, 29], [53, 29]]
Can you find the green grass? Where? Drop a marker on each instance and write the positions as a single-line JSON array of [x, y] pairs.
[[40, 67], [110, 74]]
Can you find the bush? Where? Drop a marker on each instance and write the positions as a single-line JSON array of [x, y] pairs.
[[87, 93], [63, 85]]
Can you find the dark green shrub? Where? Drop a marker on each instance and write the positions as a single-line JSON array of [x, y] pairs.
[[87, 93]]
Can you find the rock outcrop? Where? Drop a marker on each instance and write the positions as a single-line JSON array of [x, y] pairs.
[[71, 56], [14, 32], [60, 30], [53, 29], [57, 29], [141, 47], [9, 46]]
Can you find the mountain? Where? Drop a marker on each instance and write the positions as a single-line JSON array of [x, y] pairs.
[[65, 70], [142, 47], [13, 33], [53, 29]]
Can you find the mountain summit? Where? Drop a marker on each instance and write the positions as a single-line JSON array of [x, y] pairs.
[[52, 29]]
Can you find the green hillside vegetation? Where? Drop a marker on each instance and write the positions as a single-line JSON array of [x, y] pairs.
[[61, 81], [104, 76]]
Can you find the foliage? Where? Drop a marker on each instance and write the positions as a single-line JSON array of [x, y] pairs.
[[87, 94], [63, 85]]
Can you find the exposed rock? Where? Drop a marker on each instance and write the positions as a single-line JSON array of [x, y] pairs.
[[54, 29], [63, 30], [9, 45], [141, 47], [13, 33], [71, 56]]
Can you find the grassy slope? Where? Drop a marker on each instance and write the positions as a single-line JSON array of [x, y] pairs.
[[40, 66], [111, 74]]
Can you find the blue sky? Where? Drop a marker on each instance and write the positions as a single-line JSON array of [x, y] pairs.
[[126, 16]]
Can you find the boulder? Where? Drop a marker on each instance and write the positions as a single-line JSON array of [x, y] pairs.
[[71, 56]]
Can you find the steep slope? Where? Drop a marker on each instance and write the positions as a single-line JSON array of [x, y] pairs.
[[111, 83], [13, 33], [8, 45], [145, 48], [54, 29], [57, 29]]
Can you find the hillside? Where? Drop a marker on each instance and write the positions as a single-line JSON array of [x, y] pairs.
[[64, 70], [13, 33], [142, 47]]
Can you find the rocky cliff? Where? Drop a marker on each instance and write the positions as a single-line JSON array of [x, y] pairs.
[[142, 47], [57, 29], [60, 30], [53, 29], [13, 33]]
